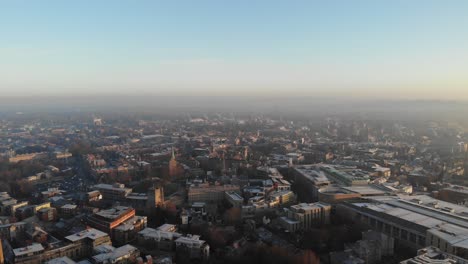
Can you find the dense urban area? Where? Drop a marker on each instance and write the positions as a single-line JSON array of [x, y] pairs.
[[80, 187]]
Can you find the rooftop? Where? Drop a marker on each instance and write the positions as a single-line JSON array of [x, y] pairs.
[[235, 196], [115, 212], [433, 255], [190, 241], [36, 247], [312, 173], [129, 224], [113, 187], [364, 190], [88, 233], [158, 234], [62, 260], [113, 256], [309, 206]]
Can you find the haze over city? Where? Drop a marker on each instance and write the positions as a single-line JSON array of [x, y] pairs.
[[359, 49], [226, 132]]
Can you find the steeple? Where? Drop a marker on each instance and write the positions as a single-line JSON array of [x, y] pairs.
[[173, 166]]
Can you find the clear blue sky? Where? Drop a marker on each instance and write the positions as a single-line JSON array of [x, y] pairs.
[[377, 49]]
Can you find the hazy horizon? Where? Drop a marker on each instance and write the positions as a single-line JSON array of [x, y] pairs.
[[361, 49]]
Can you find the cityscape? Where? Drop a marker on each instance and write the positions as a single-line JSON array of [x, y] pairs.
[[222, 132]]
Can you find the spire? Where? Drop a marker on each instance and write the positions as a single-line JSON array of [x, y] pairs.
[[173, 154]]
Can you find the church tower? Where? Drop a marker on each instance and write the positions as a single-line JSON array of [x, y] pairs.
[[465, 162], [173, 166], [155, 198], [2, 258]]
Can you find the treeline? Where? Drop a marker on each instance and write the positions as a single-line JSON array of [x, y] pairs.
[[11, 173]]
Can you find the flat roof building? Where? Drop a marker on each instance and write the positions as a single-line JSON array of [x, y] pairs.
[[414, 221], [304, 216], [209, 193]]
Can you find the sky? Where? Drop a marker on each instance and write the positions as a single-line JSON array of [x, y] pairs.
[[395, 49]]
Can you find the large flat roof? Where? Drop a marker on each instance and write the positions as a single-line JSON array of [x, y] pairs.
[[364, 190], [62, 260], [114, 213], [36, 247], [111, 187], [425, 211], [88, 233]]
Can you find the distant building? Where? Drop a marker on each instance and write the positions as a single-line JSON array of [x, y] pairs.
[[174, 169], [63, 155], [209, 193], [166, 239], [25, 157], [113, 193]]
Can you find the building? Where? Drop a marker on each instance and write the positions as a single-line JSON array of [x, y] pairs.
[[174, 169], [155, 198], [106, 220], [309, 179], [93, 196], [47, 214], [193, 246], [30, 210], [63, 155], [142, 202], [13, 230], [113, 192], [345, 175], [305, 216], [76, 246], [235, 199], [158, 239], [25, 157], [88, 239], [166, 239], [209, 193], [68, 210], [336, 194], [454, 194], [128, 230], [413, 221], [280, 198], [124, 254], [31, 253], [431, 255], [120, 222], [61, 260]]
